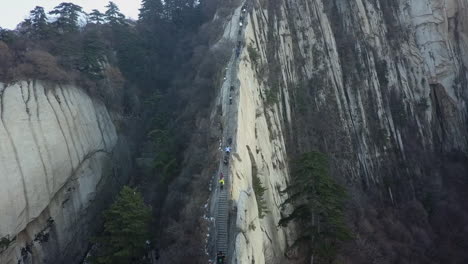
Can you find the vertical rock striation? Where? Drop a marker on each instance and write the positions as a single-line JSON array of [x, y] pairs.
[[381, 87], [57, 153]]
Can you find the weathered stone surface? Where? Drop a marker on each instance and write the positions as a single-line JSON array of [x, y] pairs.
[[381, 87], [56, 152]]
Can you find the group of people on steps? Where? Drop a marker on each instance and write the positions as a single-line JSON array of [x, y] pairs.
[[220, 256], [225, 161]]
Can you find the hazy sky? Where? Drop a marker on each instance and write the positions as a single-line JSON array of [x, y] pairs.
[[12, 12]]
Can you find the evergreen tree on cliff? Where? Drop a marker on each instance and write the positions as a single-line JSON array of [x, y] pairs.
[[158, 43], [38, 19], [185, 14], [96, 17], [113, 15], [126, 230], [68, 14], [318, 206], [151, 10]]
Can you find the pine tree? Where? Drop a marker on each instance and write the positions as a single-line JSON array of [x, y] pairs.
[[185, 14], [318, 206], [68, 14], [94, 54], [96, 17], [126, 229], [150, 11], [113, 15], [38, 20]]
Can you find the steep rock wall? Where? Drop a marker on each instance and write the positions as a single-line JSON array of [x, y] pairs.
[[381, 87], [259, 154], [58, 149]]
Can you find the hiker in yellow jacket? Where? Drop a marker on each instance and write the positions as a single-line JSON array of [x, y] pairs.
[[221, 183]]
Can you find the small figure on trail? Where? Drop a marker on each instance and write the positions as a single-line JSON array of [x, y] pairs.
[[230, 99], [221, 176], [240, 24], [226, 160], [229, 141], [148, 245], [231, 88], [228, 150], [220, 257], [221, 183], [244, 8]]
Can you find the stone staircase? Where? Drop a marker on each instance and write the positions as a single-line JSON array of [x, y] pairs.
[[223, 196], [223, 214]]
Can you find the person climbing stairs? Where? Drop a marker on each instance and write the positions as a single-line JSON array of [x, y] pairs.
[[223, 195]]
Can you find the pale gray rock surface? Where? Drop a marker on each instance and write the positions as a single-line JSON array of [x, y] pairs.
[[380, 86], [56, 157]]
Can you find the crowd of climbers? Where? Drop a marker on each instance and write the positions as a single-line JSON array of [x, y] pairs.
[[220, 257]]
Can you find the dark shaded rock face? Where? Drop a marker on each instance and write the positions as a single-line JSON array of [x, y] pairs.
[[381, 86]]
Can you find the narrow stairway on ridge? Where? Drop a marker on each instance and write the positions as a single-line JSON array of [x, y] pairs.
[[230, 90]]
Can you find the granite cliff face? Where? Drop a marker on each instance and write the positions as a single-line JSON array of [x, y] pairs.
[[58, 154], [381, 87]]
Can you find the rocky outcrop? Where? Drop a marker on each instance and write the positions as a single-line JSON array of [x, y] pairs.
[[58, 149], [258, 161], [381, 87]]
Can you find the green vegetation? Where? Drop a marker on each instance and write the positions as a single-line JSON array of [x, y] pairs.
[[62, 50], [253, 54], [126, 230], [259, 192], [121, 61], [67, 17], [318, 203], [37, 22], [113, 15], [5, 242], [96, 17], [164, 162]]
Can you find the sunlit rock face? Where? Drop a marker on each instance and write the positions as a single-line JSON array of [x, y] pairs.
[[381, 87], [58, 148]]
